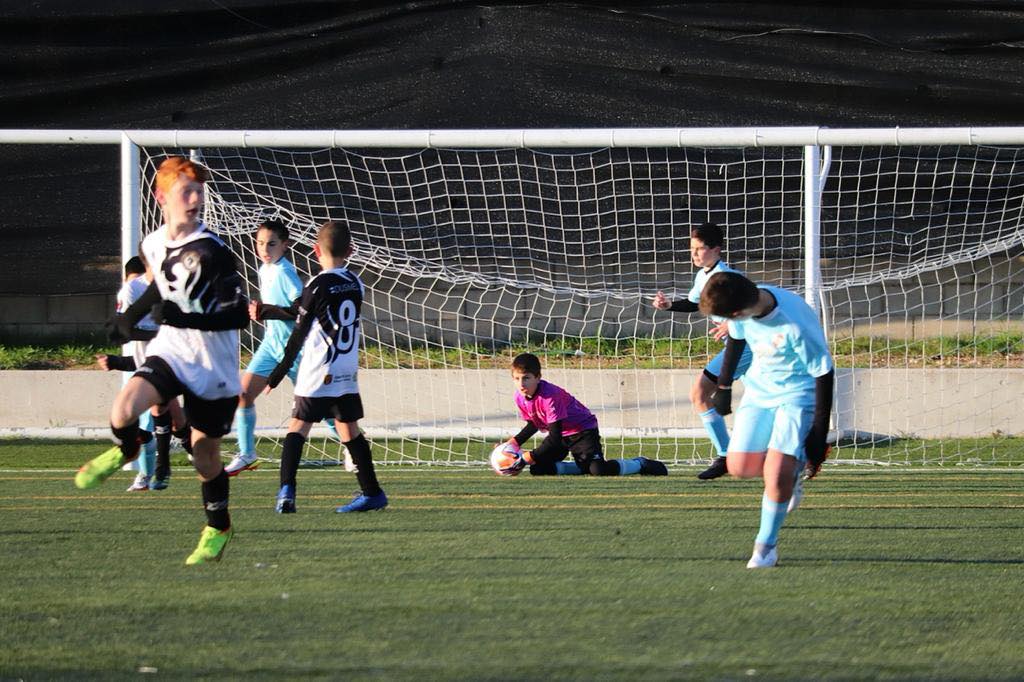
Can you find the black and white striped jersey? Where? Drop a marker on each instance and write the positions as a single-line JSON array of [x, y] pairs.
[[197, 273], [327, 333]]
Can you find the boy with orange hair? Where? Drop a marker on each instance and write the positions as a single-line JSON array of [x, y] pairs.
[[196, 297]]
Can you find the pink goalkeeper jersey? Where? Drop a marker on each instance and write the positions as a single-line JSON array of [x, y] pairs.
[[551, 404]]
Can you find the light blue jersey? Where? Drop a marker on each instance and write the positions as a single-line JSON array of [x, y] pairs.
[[789, 352], [279, 285]]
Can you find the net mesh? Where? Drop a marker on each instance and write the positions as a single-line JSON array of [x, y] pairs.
[[472, 256]]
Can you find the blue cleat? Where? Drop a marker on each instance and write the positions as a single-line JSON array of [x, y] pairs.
[[363, 503], [286, 500]]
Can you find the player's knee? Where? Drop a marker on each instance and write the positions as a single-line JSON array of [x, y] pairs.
[[744, 467], [600, 467], [700, 394]]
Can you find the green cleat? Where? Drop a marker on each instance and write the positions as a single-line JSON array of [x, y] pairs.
[[211, 546], [99, 469]]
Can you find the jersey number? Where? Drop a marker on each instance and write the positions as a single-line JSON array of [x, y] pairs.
[[346, 326]]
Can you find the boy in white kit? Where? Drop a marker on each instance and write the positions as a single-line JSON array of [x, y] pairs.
[[327, 334]]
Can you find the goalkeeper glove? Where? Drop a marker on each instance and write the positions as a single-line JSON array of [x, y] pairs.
[[518, 466], [721, 400]]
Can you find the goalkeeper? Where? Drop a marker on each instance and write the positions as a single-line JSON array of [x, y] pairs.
[[782, 423], [706, 252], [570, 426]]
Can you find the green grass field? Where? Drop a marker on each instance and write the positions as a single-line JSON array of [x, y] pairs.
[[911, 574]]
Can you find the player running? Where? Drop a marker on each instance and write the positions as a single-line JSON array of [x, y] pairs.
[[782, 422], [196, 298]]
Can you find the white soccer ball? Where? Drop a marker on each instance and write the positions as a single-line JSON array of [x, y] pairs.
[[504, 459]]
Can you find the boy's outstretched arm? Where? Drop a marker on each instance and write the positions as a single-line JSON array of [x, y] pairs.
[[303, 323], [683, 305]]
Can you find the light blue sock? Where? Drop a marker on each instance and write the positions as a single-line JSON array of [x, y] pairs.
[[245, 425], [772, 516], [330, 425], [147, 455], [567, 469], [629, 466], [147, 458], [714, 424]]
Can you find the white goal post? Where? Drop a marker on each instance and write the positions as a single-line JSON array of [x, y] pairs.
[[479, 244]]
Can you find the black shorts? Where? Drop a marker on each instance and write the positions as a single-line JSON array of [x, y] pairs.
[[343, 408], [584, 446], [211, 417]]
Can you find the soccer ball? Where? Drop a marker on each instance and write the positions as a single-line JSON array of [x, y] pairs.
[[505, 458]]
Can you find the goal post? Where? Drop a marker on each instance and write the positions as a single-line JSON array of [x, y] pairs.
[[478, 244]]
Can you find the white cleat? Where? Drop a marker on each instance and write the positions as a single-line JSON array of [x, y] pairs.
[[798, 494], [140, 484], [241, 463], [766, 561]]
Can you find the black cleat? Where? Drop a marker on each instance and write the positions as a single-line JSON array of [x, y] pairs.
[[652, 467], [717, 468]]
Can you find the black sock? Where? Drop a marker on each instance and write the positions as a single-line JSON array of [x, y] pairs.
[[359, 448], [184, 434], [127, 438], [162, 432], [215, 501], [291, 453]]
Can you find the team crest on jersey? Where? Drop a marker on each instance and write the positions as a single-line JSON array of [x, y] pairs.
[[190, 260]]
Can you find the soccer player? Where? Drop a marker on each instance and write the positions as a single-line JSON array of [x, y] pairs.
[[196, 298], [570, 426], [158, 421], [136, 281], [782, 422], [280, 286], [327, 334], [706, 253]]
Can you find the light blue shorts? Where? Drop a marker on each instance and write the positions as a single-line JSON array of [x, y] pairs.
[[265, 360], [715, 366], [783, 428]]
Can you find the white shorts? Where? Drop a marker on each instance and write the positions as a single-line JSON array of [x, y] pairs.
[[783, 428]]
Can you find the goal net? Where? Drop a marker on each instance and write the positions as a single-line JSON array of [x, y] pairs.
[[471, 256]]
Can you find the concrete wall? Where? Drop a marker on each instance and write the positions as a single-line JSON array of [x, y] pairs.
[[32, 319], [449, 403]]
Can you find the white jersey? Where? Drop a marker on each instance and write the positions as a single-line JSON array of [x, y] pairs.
[[198, 273], [328, 329], [128, 294], [701, 279]]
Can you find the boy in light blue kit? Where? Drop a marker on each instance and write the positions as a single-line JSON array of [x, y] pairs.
[[706, 253], [280, 288], [782, 423]]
